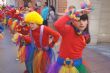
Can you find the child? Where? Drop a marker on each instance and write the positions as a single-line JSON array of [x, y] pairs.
[[75, 35], [40, 34], [25, 52], [26, 48]]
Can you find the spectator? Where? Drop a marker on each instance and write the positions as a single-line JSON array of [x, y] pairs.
[[44, 13], [51, 16]]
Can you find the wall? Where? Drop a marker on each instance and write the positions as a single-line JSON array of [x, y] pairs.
[[100, 21], [94, 21], [104, 22], [76, 3], [61, 5]]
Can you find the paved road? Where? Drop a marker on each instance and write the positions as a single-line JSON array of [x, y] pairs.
[[102, 48], [8, 50], [97, 57]]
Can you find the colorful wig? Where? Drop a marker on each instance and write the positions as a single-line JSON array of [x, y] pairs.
[[33, 17]]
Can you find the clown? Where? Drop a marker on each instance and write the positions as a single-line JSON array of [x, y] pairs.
[[26, 48], [70, 52], [40, 34]]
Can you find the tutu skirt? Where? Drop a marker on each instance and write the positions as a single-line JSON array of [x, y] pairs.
[[42, 60], [29, 58], [26, 54], [60, 67]]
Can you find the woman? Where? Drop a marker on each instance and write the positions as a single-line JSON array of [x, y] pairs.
[[51, 16]]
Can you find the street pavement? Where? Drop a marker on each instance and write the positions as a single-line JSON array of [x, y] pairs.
[[97, 57], [8, 50]]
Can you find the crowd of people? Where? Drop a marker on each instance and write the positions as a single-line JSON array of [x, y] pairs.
[[31, 32]]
